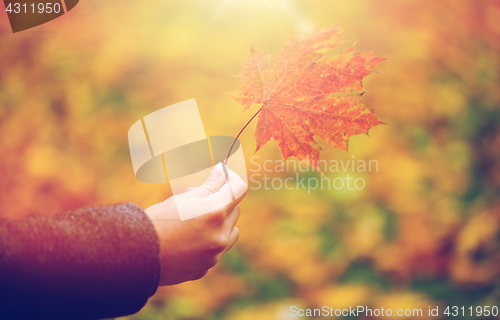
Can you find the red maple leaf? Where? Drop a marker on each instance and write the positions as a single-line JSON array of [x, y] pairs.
[[303, 97]]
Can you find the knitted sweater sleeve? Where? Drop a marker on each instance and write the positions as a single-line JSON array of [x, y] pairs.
[[86, 264]]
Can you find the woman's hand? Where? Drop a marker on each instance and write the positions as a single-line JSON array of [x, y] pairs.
[[188, 249]]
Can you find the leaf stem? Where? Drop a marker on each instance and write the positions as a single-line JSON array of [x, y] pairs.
[[239, 134]]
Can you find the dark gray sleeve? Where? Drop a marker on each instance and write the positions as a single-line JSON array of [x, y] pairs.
[[86, 264]]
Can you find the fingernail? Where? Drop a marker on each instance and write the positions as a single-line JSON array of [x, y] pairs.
[[217, 171]]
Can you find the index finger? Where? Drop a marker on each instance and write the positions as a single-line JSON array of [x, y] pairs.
[[232, 192], [226, 198]]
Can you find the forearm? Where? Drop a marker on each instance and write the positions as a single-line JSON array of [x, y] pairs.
[[90, 263]]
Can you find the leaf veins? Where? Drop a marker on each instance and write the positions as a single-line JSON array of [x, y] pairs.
[[303, 97]]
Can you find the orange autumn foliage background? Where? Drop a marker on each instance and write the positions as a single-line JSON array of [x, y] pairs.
[[424, 231]]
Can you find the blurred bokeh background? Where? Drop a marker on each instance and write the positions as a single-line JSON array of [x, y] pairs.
[[424, 231]]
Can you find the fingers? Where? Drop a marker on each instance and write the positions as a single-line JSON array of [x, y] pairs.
[[216, 182], [213, 184], [219, 195], [237, 185], [232, 218], [230, 194], [234, 234], [233, 237]]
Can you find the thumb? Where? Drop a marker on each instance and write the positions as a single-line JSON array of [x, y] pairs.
[[214, 182]]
